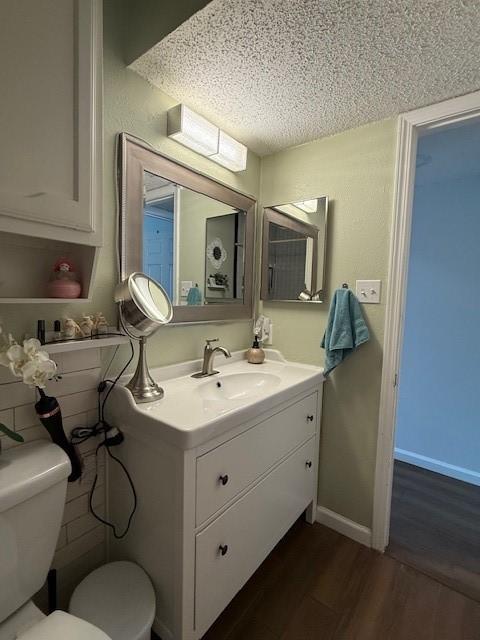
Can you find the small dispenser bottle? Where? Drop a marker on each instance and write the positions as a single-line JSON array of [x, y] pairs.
[[57, 330], [255, 355]]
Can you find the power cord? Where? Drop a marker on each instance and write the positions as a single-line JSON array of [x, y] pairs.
[[111, 437], [116, 535]]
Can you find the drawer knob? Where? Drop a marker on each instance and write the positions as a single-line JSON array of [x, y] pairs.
[[310, 418], [223, 548], [223, 479], [308, 464]]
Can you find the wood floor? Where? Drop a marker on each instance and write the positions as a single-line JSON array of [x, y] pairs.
[[319, 585], [435, 527]]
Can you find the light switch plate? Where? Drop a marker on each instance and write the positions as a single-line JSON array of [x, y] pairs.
[[368, 291], [185, 286]]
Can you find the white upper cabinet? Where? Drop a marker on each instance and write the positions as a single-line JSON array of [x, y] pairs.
[[50, 119]]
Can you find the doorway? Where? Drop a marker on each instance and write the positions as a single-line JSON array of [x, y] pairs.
[[435, 515], [158, 242], [436, 497]]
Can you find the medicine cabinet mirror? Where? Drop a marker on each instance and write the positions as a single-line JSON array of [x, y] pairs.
[[293, 251], [192, 234]]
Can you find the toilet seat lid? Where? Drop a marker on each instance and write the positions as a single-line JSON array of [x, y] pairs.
[[117, 597], [60, 625]]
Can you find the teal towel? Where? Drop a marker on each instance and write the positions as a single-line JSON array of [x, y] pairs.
[[194, 296], [346, 329]]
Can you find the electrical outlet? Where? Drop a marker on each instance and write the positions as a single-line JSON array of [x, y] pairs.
[[185, 286], [269, 339], [368, 291]]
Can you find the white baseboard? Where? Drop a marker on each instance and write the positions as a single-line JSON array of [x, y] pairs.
[[343, 525], [460, 473]]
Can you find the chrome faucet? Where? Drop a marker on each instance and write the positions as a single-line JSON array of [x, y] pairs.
[[208, 355]]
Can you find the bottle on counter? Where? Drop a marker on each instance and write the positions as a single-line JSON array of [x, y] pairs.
[[255, 355], [57, 330]]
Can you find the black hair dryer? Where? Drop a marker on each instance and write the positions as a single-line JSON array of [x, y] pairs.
[[50, 415]]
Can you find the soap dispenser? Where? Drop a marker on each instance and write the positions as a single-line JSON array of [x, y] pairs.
[[255, 355]]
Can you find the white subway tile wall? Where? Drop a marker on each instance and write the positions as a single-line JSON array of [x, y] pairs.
[[81, 542]]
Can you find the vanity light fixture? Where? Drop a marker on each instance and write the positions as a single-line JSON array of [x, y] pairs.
[[231, 154], [195, 132], [308, 206]]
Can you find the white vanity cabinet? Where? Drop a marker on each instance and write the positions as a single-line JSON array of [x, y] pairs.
[[208, 516], [51, 136]]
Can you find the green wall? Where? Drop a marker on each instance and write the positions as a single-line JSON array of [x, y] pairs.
[[195, 210], [133, 105], [355, 169], [149, 21]]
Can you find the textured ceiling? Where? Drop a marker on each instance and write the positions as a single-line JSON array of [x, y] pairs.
[[275, 73]]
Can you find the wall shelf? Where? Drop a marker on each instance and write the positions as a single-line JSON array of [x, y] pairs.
[[42, 300], [93, 343], [26, 266]]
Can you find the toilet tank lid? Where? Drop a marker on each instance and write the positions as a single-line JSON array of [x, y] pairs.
[[29, 469], [59, 626]]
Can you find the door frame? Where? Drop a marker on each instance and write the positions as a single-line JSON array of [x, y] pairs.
[[174, 234], [409, 126]]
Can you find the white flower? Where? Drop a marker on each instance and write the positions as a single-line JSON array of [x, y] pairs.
[[42, 355], [28, 361], [38, 371], [5, 343], [31, 346], [16, 359], [4, 340]]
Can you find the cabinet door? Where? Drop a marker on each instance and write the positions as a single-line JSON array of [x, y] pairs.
[[230, 549], [231, 467], [50, 124]]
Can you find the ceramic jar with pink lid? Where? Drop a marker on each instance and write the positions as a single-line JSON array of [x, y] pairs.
[[64, 282]]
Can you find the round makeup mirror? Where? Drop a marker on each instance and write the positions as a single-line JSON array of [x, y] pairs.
[[144, 307]]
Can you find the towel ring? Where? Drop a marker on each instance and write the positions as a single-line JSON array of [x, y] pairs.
[[345, 285]]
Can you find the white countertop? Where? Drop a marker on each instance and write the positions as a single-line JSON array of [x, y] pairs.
[[195, 410]]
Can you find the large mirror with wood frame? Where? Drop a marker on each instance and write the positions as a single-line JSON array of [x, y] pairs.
[[293, 251], [194, 235]]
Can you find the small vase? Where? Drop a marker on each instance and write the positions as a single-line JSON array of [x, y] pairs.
[[64, 288]]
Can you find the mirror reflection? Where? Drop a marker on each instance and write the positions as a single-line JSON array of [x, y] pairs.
[[193, 245], [293, 257]]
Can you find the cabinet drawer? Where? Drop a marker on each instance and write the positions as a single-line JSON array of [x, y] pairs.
[[230, 549], [231, 467]]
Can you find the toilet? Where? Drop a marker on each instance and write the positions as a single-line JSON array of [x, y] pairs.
[[114, 602]]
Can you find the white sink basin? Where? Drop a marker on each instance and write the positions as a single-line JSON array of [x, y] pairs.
[[238, 386], [195, 410]]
